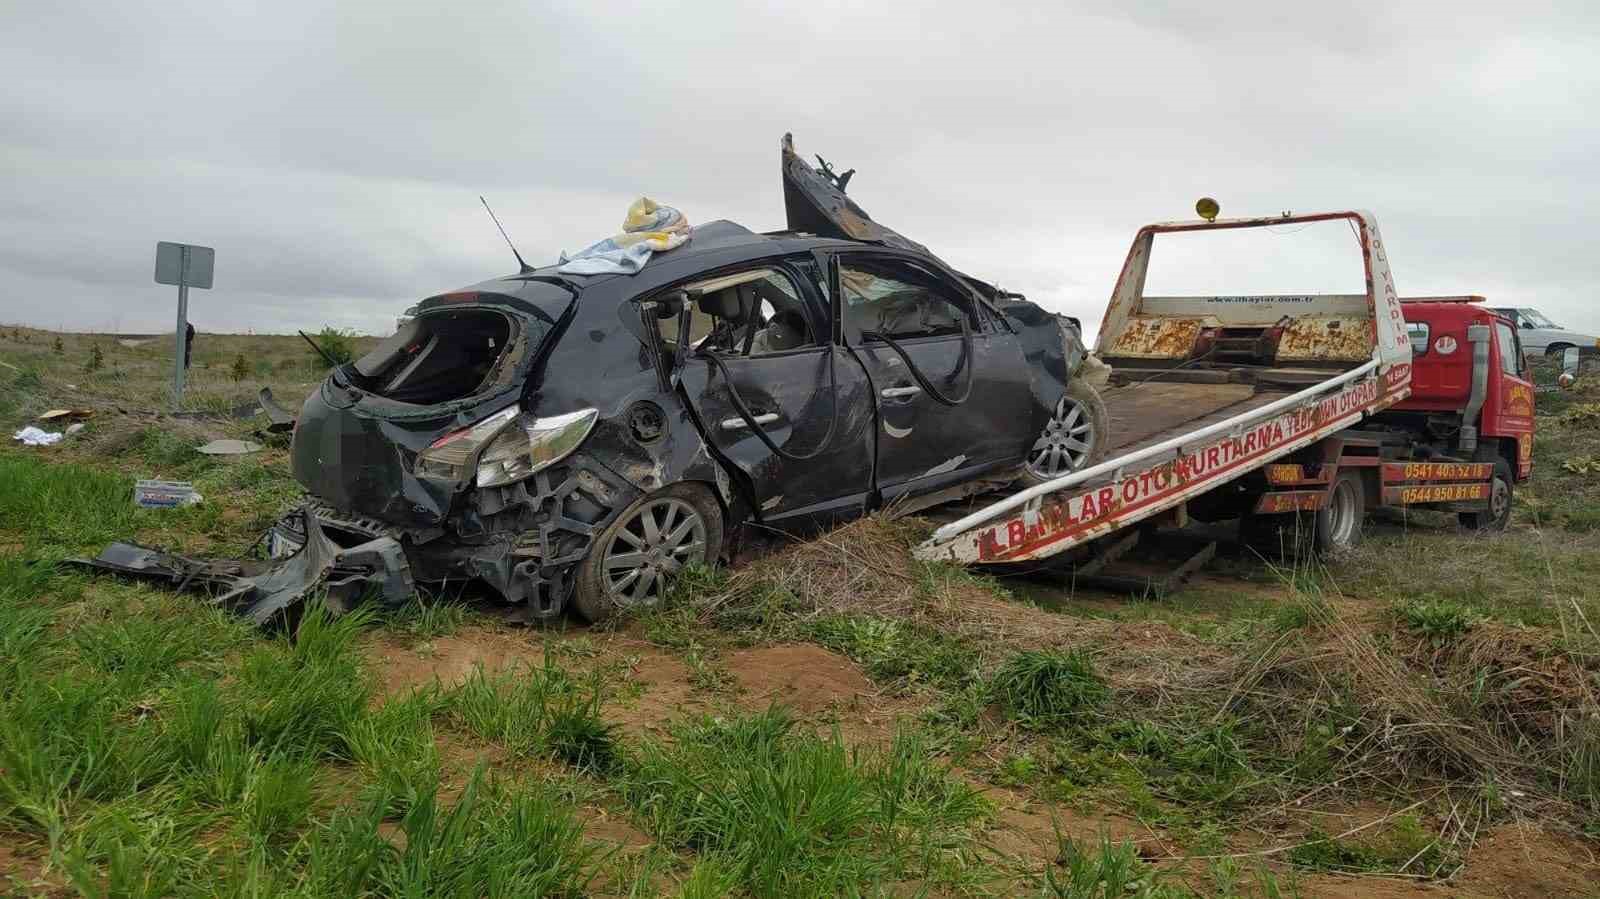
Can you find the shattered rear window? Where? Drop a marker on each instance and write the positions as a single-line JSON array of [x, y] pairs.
[[448, 355]]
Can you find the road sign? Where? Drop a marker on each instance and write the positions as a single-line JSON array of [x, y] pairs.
[[185, 265]]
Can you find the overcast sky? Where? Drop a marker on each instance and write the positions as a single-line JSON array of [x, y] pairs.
[[333, 153]]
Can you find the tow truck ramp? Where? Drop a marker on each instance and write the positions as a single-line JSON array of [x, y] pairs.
[[1052, 517]]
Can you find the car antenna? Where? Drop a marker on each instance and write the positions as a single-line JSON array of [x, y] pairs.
[[318, 347], [526, 268]]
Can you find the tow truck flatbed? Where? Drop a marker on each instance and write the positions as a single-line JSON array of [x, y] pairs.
[[1208, 390]]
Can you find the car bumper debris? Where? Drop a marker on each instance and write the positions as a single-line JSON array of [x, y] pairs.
[[264, 591]]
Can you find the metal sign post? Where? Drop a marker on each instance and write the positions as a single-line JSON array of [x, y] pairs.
[[185, 265]]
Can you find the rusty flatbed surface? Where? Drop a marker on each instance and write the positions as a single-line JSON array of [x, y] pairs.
[[1146, 413]]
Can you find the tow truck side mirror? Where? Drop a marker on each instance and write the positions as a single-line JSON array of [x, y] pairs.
[[1569, 367]]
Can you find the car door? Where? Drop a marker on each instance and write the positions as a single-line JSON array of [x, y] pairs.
[[759, 336], [923, 443]]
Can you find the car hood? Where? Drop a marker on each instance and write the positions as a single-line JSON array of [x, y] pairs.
[[815, 203]]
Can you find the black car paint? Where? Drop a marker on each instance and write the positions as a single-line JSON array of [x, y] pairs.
[[356, 452]]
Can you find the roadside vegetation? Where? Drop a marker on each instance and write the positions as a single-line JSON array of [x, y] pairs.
[[1273, 729]]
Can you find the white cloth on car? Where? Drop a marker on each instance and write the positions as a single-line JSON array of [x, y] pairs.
[[648, 229]]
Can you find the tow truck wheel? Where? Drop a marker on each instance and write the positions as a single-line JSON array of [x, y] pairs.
[[1074, 438], [631, 563], [1498, 515], [1333, 528], [1338, 524]]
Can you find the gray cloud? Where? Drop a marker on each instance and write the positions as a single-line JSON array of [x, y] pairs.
[[333, 153]]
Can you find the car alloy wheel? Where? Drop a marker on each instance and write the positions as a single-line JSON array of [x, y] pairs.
[[659, 538], [1066, 443]]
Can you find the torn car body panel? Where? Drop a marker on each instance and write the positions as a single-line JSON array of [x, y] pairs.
[[814, 202], [264, 591]]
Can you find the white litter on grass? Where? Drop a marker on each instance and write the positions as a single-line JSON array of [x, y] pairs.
[[32, 436]]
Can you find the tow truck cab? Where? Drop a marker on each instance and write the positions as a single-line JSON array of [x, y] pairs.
[[1471, 394]]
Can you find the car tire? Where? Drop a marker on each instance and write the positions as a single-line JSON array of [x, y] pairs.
[[1075, 437], [653, 538], [1498, 515]]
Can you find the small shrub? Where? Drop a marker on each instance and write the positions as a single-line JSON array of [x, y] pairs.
[[336, 345], [1439, 620], [96, 360], [57, 348], [240, 368], [1046, 689]]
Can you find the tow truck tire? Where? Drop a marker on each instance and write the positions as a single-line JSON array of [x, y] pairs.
[[651, 550], [1334, 528], [1091, 424], [1498, 515], [1338, 525]]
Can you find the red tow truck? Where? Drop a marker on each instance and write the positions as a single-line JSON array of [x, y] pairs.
[[1299, 413]]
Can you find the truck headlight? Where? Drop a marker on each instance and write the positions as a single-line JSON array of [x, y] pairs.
[[530, 444]]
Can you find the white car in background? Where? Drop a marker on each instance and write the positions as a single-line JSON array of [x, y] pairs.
[[1543, 337]]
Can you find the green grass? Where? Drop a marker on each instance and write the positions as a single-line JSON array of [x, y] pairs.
[[494, 840], [1048, 689], [540, 711], [1403, 846], [899, 653], [787, 813], [1440, 621], [1518, 578], [1107, 870]]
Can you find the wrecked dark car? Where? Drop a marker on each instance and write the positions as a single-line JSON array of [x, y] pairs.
[[572, 439]]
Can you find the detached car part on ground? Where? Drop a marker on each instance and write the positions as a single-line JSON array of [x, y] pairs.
[[583, 438]]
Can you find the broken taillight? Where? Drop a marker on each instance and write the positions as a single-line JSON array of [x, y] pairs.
[[506, 447], [533, 444], [454, 455]]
